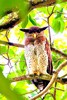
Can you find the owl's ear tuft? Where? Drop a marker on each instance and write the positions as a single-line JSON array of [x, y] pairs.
[[24, 30], [43, 28]]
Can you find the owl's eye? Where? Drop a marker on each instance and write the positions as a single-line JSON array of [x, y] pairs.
[[30, 32], [38, 31]]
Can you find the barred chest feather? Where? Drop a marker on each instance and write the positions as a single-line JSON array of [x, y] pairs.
[[36, 58]]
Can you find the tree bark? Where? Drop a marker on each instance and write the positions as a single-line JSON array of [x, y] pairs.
[[46, 3]]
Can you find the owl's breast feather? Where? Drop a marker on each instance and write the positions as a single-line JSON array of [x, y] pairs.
[[29, 41], [34, 41]]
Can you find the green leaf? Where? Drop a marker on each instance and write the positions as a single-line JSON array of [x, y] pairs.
[[11, 53], [21, 87], [12, 75], [58, 1], [59, 14], [64, 97], [58, 25], [5, 88], [32, 21], [43, 9], [58, 63], [3, 49], [19, 72], [22, 63], [22, 6], [2, 67], [48, 97], [24, 23]]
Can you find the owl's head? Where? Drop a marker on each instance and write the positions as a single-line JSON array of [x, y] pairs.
[[34, 31]]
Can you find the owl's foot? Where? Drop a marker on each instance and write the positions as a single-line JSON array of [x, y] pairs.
[[33, 75], [41, 74], [37, 73]]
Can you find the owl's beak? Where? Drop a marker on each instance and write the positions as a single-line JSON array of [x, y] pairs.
[[34, 35]]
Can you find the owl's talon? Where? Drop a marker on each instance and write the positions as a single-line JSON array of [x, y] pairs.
[[35, 74], [41, 74], [31, 75], [44, 74]]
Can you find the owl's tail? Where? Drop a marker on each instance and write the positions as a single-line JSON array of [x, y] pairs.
[[40, 84]]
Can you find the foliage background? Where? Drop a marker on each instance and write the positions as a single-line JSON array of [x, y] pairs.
[[12, 61]]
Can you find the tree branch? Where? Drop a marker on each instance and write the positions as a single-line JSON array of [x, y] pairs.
[[12, 20], [22, 46], [30, 77], [47, 87], [44, 77], [44, 3], [11, 44], [59, 52], [33, 4], [9, 24], [53, 79]]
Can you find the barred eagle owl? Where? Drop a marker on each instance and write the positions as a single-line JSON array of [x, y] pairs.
[[37, 54]]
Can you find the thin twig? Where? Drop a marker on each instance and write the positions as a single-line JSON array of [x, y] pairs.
[[58, 89], [55, 91], [61, 66], [29, 92], [59, 52], [60, 12], [49, 94], [49, 24], [63, 76]]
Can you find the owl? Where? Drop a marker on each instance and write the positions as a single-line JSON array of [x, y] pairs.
[[37, 54]]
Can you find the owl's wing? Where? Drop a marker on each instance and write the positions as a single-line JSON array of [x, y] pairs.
[[48, 50]]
